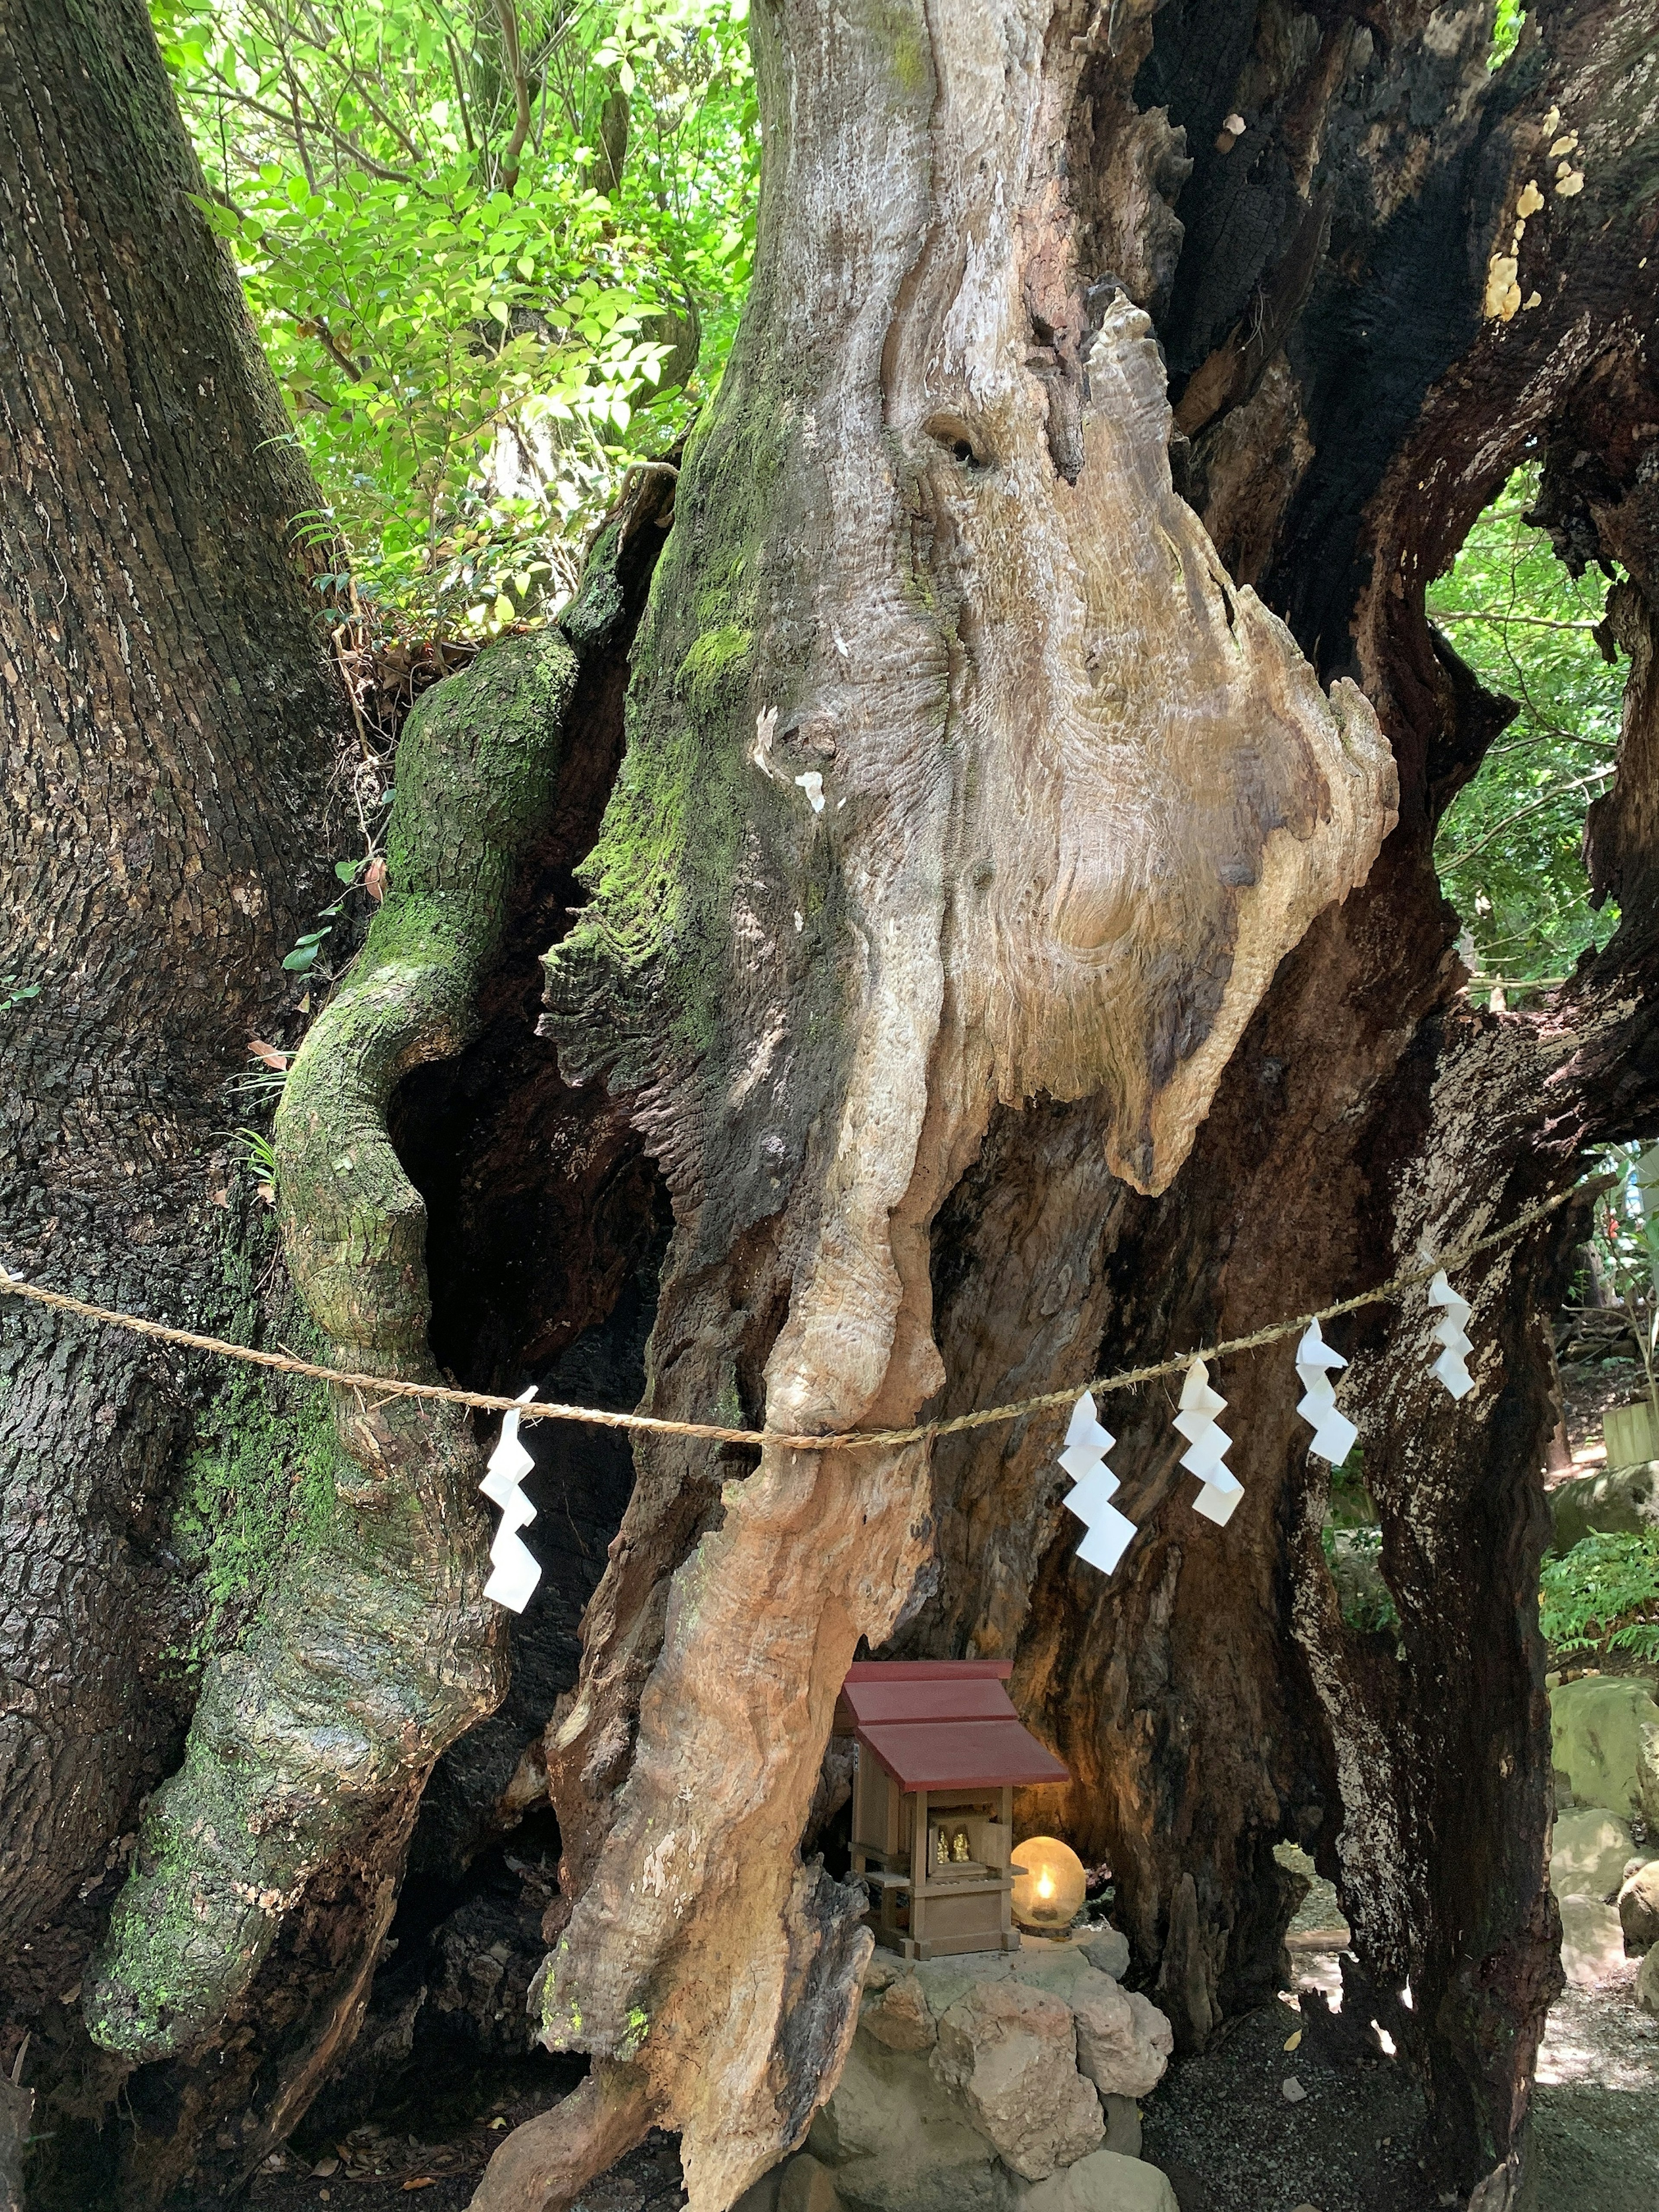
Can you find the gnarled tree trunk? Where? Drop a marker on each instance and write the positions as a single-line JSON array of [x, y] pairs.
[[1080, 797], [169, 721], [1013, 932]]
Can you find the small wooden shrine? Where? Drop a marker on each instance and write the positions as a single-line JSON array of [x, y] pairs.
[[939, 1750]]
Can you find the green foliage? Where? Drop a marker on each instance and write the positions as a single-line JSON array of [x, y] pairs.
[[13, 993], [1351, 1504], [1355, 1559], [1508, 851], [1505, 31], [478, 321], [1603, 1595]]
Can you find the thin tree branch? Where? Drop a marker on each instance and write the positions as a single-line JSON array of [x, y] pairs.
[[292, 124], [460, 94], [1560, 790], [508, 13], [1533, 622]]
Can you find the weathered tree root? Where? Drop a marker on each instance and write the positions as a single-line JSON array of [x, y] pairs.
[[544, 2166], [376, 1650]]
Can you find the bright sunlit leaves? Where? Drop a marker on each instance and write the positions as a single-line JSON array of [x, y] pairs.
[[1508, 849], [477, 328]]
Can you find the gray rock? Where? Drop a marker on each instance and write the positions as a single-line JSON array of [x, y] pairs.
[[1592, 1941], [1123, 2041], [1647, 1774], [1647, 1983], [1104, 2182], [1596, 1726], [1107, 1952], [1588, 1851], [761, 2196], [1123, 2126], [900, 2017], [1638, 1907], [895, 2140], [1010, 2052], [1617, 1501], [807, 2187]]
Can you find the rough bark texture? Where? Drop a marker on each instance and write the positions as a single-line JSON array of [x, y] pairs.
[[168, 719], [1072, 666], [841, 1013], [374, 1647]]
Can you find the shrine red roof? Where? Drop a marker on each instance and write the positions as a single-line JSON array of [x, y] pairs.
[[943, 1724]]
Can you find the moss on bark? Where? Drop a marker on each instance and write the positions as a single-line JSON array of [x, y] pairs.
[[374, 1647]]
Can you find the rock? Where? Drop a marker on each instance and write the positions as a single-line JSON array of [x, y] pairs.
[[1010, 2053], [901, 2017], [1104, 2182], [1638, 1907], [1588, 1852], [1291, 2090], [807, 2187], [1107, 1952], [1592, 1941], [1123, 2126], [895, 2140], [1647, 1775], [761, 2196], [1647, 1983], [1123, 2041], [1596, 1727], [1619, 1501]]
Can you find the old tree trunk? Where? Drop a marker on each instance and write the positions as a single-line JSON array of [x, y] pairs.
[[1013, 949]]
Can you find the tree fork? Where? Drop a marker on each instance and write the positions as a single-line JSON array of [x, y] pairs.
[[376, 1649]]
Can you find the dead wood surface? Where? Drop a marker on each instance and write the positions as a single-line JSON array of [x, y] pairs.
[[865, 1224]]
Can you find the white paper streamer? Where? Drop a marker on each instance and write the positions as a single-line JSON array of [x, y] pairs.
[[516, 1571], [1106, 1531], [1449, 1333], [1335, 1435], [1205, 1442]]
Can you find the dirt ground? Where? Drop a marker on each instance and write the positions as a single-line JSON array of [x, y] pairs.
[[1220, 2128], [438, 2168], [1218, 2125], [1596, 2106]]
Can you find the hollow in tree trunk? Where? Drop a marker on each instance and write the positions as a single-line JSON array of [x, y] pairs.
[[1013, 934]]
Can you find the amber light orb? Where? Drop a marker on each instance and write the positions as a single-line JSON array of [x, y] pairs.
[[1049, 1885]]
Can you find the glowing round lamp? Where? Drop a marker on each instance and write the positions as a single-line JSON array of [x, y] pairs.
[[1049, 1885]]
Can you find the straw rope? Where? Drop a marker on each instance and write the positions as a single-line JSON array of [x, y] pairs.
[[383, 1387]]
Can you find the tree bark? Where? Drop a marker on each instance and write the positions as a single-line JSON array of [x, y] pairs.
[[1001, 935], [1352, 380], [169, 723]]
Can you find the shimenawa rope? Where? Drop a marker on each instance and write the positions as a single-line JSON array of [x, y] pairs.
[[383, 1387]]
